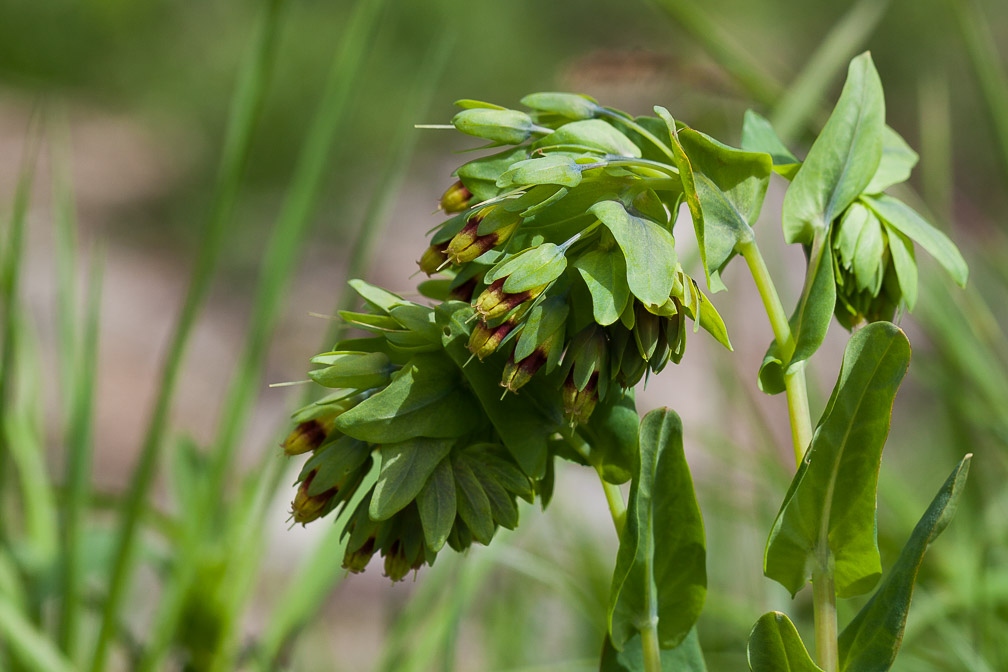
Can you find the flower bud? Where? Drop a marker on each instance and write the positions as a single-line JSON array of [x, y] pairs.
[[495, 303], [433, 258], [507, 127], [306, 508], [467, 244], [455, 199], [463, 292], [485, 340], [308, 436], [579, 404], [357, 560], [398, 563], [516, 375]]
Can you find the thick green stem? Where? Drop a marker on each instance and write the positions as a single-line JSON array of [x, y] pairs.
[[823, 589], [652, 652]]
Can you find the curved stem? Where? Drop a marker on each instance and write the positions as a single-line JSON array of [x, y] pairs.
[[652, 652], [823, 589], [617, 507]]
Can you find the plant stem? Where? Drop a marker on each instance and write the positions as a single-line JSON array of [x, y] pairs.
[[823, 590], [652, 652], [617, 507]]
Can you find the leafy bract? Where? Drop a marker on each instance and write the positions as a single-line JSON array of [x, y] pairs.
[[660, 566], [648, 249], [687, 657], [530, 268], [775, 646], [759, 136], [898, 160], [842, 160], [437, 505], [870, 642], [425, 398], [480, 175], [828, 514], [605, 274], [556, 168], [900, 216], [594, 134], [731, 185], [405, 468]]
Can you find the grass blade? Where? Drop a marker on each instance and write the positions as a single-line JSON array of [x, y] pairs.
[[803, 98], [246, 106], [31, 648], [79, 442]]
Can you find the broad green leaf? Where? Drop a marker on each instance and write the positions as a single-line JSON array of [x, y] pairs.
[[900, 216], [523, 422], [605, 274], [334, 460], [828, 515], [473, 504], [480, 176], [687, 657], [569, 105], [898, 160], [660, 566], [530, 268], [543, 321], [731, 185], [846, 233], [593, 133], [689, 188], [759, 136], [775, 646], [870, 642], [405, 468], [507, 127], [555, 168], [426, 398], [360, 370], [612, 432], [377, 297], [437, 505], [502, 505], [868, 254], [842, 159], [418, 319], [904, 262], [648, 249]]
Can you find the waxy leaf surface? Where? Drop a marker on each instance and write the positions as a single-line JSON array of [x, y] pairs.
[[648, 249], [437, 505], [829, 509], [898, 160], [605, 273], [405, 468], [775, 646], [661, 563], [593, 133], [842, 160], [870, 642], [687, 657], [759, 136]]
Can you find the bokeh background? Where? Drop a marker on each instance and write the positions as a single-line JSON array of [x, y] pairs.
[[126, 107]]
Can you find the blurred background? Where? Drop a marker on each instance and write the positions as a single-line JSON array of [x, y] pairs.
[[182, 185]]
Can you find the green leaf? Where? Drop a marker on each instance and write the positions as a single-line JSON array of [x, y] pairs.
[[502, 505], [360, 370], [900, 216], [480, 176], [593, 133], [507, 127], [437, 505], [569, 105], [648, 249], [524, 423], [843, 158], [898, 160], [531, 268], [690, 194], [687, 657], [660, 566], [425, 398], [605, 273], [775, 646], [334, 461], [904, 262], [377, 297], [759, 136], [612, 432], [731, 185], [870, 642], [544, 320], [473, 504], [868, 255], [828, 515], [555, 168], [405, 468]]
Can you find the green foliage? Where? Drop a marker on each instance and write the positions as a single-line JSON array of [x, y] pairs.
[[775, 646], [828, 515]]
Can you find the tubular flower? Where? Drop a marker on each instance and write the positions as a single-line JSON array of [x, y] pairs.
[[455, 199]]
